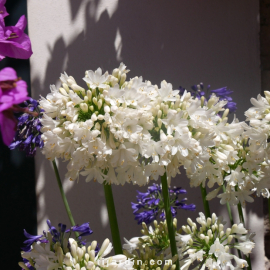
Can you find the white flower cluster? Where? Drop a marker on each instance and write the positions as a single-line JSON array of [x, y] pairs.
[[50, 256], [208, 247], [128, 131], [246, 157]]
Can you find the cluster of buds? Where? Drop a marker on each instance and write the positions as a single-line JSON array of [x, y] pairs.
[[152, 250], [210, 245]]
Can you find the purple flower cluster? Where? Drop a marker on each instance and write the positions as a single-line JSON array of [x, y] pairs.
[[28, 134], [223, 93], [58, 235], [151, 203]]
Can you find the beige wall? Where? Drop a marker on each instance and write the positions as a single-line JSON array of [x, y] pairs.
[[184, 42]]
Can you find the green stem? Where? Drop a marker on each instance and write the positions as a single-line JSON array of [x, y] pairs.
[[240, 212], [228, 207], [231, 219], [168, 214], [113, 219], [63, 195], [242, 220], [205, 202]]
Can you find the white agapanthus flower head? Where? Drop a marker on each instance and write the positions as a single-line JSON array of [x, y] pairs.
[[120, 130], [241, 160], [210, 246]]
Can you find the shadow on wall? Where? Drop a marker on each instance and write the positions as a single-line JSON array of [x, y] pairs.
[[157, 41]]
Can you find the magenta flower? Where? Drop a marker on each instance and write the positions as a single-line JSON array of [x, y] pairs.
[[3, 11], [13, 41], [13, 91]]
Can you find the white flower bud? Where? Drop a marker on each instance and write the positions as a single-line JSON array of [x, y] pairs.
[[79, 253], [97, 126], [77, 267], [107, 109], [84, 107], [206, 239], [100, 117], [123, 79], [99, 104], [94, 117], [73, 249], [159, 121], [95, 100], [228, 231], [220, 227], [221, 234], [91, 108], [202, 236], [76, 87], [65, 86], [63, 91], [104, 246], [230, 238], [86, 99], [213, 228], [159, 113], [86, 257], [202, 101], [67, 260], [115, 73], [93, 245], [71, 81], [89, 94], [226, 112]]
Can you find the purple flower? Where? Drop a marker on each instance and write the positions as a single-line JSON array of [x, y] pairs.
[[3, 11], [31, 239], [13, 91], [83, 229], [150, 204], [13, 41], [28, 134], [223, 93]]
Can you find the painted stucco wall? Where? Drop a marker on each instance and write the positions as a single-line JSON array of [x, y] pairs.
[[184, 42]]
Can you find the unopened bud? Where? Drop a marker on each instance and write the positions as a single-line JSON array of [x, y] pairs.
[[159, 121], [76, 88], [202, 101], [84, 107], [89, 94], [65, 86], [99, 104], [91, 108], [63, 91], [226, 112], [206, 239], [115, 72], [97, 126], [95, 100], [123, 79], [230, 238]]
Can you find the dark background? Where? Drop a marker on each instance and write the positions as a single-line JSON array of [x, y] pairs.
[[17, 172]]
